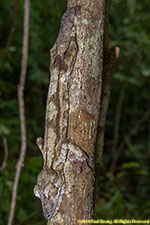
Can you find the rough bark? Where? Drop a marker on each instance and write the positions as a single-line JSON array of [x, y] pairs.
[[65, 184]]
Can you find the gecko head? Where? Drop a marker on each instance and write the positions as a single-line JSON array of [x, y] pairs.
[[49, 189]]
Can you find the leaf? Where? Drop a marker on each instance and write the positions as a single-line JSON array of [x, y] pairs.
[[131, 165]]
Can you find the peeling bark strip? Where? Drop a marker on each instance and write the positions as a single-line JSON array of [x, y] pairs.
[[110, 56], [65, 184]]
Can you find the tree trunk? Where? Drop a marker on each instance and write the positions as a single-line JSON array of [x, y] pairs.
[[66, 182]]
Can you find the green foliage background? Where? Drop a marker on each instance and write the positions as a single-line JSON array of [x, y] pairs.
[[122, 194]]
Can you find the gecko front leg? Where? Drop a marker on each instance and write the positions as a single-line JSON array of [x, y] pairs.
[[77, 155]]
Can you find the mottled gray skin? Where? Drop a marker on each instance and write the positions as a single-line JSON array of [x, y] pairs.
[[50, 185], [67, 23]]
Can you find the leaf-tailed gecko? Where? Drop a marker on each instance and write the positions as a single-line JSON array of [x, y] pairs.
[[55, 146]]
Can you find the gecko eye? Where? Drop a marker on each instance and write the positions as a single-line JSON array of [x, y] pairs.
[[53, 192]]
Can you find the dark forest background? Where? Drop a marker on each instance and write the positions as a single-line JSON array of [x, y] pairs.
[[123, 188]]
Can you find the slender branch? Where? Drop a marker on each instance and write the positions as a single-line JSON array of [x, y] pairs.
[[132, 132], [21, 109], [5, 153], [11, 33]]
